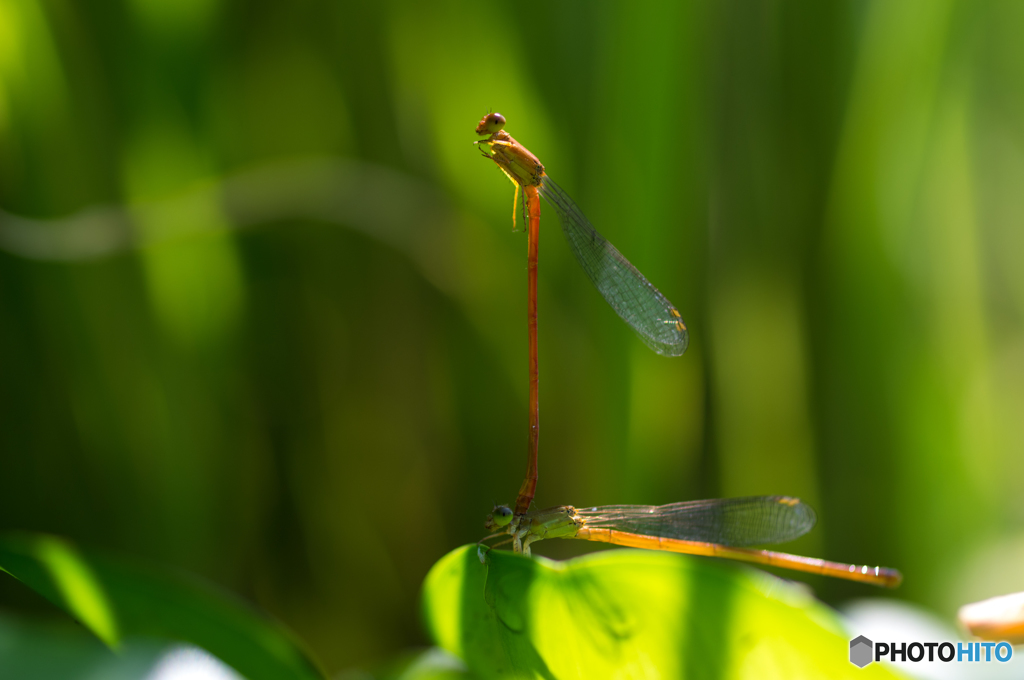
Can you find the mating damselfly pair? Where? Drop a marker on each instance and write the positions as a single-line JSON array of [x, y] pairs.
[[719, 527]]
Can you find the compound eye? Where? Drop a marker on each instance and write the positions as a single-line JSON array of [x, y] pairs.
[[490, 124], [501, 516]]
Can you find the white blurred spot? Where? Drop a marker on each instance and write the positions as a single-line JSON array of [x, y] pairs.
[[185, 662]]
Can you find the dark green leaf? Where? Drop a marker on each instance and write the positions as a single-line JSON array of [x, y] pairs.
[[116, 598]]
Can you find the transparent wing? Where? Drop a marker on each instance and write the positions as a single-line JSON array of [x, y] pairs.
[[639, 303], [738, 522]]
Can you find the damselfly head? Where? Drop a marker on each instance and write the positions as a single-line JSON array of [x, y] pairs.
[[499, 517], [491, 123]]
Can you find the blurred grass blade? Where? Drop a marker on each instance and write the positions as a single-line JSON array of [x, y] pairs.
[[626, 613], [116, 598], [78, 587]]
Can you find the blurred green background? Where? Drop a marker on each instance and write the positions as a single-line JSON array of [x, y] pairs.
[[262, 314]]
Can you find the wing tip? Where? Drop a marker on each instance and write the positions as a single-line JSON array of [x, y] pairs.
[[668, 349]]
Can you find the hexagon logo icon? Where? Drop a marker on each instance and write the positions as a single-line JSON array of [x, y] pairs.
[[861, 651]]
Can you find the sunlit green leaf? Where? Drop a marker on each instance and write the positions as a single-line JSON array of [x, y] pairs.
[[627, 613], [116, 598]]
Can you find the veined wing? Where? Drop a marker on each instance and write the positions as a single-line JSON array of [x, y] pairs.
[[632, 296], [737, 522]]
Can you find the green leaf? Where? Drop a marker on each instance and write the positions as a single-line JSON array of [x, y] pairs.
[[116, 598], [631, 613]]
